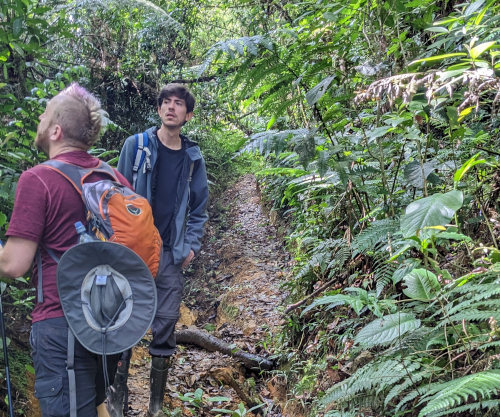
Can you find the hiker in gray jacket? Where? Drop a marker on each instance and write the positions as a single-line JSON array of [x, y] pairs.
[[169, 170]]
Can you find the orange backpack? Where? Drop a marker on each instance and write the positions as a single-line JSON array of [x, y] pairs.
[[115, 213]]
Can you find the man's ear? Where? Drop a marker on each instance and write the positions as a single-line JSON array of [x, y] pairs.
[[189, 116], [56, 132]]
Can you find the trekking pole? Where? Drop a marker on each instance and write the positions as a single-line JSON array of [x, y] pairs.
[[5, 356]]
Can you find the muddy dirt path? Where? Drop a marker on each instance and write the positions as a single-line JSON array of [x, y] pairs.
[[232, 291]]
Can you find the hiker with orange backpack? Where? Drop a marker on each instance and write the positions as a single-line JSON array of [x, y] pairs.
[[167, 168], [41, 229]]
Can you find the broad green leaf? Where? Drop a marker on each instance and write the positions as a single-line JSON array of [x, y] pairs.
[[378, 132], [421, 285], [466, 166], [435, 210], [437, 29], [477, 51], [17, 48], [473, 7], [386, 329], [414, 175], [449, 74], [439, 57], [315, 93], [453, 236]]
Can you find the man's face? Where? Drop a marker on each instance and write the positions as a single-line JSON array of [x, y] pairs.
[[173, 112], [43, 129]]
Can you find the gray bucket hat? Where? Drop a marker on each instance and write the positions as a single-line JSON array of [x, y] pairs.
[[108, 296]]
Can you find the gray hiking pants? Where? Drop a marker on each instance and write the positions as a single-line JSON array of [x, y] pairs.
[[169, 287]]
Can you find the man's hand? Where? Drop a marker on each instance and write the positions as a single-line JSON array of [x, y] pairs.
[[188, 259], [16, 257]]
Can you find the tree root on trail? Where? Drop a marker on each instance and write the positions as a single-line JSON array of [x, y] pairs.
[[194, 336], [225, 375]]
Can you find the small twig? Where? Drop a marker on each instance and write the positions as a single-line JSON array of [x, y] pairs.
[[487, 150]]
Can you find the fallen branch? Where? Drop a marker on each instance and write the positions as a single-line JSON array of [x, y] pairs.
[[337, 280], [195, 336], [292, 307]]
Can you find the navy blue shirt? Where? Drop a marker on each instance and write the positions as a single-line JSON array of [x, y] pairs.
[[168, 170]]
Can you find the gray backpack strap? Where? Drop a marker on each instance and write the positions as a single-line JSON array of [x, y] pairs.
[[39, 287], [70, 366], [75, 174]]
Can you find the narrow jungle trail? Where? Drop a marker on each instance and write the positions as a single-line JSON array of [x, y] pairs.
[[233, 292]]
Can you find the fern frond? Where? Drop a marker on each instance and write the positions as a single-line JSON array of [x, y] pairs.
[[321, 256], [383, 272], [342, 254], [377, 232], [360, 170], [443, 396], [408, 382], [331, 301], [417, 392], [485, 346], [473, 314], [473, 294], [484, 405], [376, 374]]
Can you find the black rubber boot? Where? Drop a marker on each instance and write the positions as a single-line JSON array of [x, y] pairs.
[[117, 399], [157, 382]]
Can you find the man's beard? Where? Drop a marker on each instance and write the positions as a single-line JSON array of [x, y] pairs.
[[42, 141]]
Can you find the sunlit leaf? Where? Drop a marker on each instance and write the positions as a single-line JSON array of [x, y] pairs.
[[439, 57], [473, 7], [435, 210], [477, 51], [466, 166]]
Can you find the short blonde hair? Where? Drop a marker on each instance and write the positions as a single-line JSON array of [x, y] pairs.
[[79, 114]]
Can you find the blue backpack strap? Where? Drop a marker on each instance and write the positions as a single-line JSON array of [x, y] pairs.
[[142, 156]]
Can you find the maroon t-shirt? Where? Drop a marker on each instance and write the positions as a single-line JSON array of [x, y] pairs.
[[46, 208]]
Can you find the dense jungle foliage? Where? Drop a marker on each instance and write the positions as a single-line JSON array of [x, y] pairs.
[[375, 124]]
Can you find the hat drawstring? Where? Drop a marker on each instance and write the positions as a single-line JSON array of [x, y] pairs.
[[103, 341]]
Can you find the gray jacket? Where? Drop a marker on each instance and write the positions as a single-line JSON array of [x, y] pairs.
[[191, 200]]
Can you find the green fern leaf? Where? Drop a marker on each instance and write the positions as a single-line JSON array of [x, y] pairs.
[[474, 315], [386, 329], [481, 385], [330, 300], [379, 231], [408, 382], [376, 374], [487, 406]]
